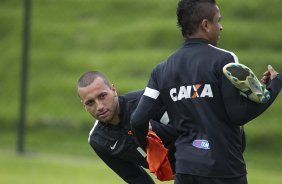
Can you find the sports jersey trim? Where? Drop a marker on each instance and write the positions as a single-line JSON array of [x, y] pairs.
[[152, 93], [91, 131], [234, 56], [142, 152]]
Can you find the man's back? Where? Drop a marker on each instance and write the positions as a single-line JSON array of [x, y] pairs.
[[190, 85], [204, 107]]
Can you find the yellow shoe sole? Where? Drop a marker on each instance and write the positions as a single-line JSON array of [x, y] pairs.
[[245, 80]]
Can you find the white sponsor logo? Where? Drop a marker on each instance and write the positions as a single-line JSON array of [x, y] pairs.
[[193, 91]]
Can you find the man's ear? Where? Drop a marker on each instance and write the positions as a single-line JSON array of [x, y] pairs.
[[114, 89], [85, 108], [84, 105], [205, 25]]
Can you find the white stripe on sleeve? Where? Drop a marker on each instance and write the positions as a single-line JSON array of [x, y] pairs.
[[152, 93]]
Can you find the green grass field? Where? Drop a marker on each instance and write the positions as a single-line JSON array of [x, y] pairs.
[[46, 168], [71, 160], [124, 39]]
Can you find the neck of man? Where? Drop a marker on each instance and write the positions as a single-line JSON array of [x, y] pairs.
[[199, 34], [116, 120]]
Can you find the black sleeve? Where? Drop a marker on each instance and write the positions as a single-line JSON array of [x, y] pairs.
[[157, 116], [149, 103], [241, 110], [129, 172], [140, 119]]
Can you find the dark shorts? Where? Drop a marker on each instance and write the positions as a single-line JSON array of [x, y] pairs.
[[190, 179]]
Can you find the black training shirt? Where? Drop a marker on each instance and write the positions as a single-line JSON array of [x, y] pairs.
[[203, 106], [118, 148]]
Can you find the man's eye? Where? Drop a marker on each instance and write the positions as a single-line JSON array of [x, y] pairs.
[[102, 96], [89, 103]]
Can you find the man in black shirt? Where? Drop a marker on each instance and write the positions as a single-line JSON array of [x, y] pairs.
[[202, 104], [111, 137]]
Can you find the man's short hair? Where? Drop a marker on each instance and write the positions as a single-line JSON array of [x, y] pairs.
[[87, 78], [190, 14]]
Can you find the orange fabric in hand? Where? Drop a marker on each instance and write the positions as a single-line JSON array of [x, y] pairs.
[[157, 158]]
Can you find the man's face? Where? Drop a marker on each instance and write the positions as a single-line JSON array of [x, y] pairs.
[[215, 28], [100, 100]]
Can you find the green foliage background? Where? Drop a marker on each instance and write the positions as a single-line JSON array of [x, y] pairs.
[[124, 39]]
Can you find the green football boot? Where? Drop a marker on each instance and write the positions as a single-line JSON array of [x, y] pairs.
[[245, 80]]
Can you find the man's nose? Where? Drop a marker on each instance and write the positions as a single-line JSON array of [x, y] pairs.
[[100, 106]]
